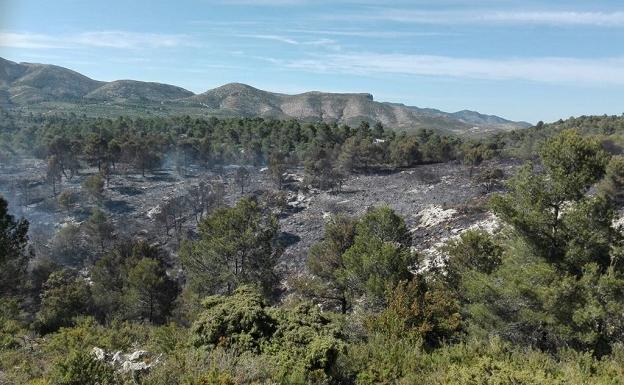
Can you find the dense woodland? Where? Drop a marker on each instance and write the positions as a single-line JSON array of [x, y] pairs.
[[326, 150], [540, 302]]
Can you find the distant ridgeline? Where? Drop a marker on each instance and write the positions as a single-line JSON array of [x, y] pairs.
[[30, 87]]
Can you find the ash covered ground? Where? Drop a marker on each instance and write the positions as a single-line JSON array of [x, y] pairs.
[[438, 202]]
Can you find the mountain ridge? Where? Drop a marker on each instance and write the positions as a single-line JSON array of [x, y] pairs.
[[49, 88]]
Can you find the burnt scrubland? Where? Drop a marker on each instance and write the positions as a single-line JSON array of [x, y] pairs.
[[189, 250]]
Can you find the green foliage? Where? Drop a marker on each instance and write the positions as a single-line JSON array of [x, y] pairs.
[[99, 228], [328, 152], [404, 151], [131, 282], [83, 369], [240, 321], [65, 296], [302, 342], [572, 163], [380, 255], [473, 250], [10, 324], [526, 142], [13, 254], [612, 185], [213, 377], [559, 280], [539, 303], [306, 345], [238, 245], [419, 310], [474, 153], [94, 185], [150, 292], [491, 362], [325, 261], [537, 203], [358, 258]]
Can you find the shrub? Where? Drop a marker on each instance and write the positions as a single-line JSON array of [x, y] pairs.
[[83, 369]]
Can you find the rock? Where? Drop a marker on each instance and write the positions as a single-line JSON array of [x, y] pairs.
[[99, 353], [434, 215], [133, 363], [619, 222], [137, 355], [491, 224]]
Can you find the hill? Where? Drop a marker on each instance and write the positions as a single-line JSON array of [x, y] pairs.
[[123, 90], [49, 88], [348, 108]]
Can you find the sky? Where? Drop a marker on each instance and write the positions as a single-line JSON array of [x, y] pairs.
[[523, 60]]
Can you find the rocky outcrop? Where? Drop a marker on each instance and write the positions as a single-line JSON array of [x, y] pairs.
[[136, 363]]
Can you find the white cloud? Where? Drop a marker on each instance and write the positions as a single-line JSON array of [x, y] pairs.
[[552, 18], [282, 39], [327, 43], [607, 71], [108, 39], [30, 40], [614, 19], [370, 33]]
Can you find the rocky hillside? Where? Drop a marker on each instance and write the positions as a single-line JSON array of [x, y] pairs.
[[349, 108], [37, 87]]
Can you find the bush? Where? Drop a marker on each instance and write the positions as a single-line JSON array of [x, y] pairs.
[[83, 369], [65, 296], [302, 343], [240, 321]]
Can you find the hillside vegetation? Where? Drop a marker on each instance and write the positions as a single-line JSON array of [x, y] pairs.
[[539, 302]]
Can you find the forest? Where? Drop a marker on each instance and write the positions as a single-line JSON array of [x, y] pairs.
[[539, 302]]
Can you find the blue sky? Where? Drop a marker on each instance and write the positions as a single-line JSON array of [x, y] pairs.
[[524, 60]]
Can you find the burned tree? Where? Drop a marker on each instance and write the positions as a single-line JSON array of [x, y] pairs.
[[277, 168], [204, 197], [490, 178], [172, 214], [96, 150], [141, 155], [65, 153], [242, 178], [54, 172], [99, 228], [94, 185]]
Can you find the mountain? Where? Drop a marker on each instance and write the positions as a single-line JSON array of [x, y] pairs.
[[27, 83], [48, 88], [349, 108], [124, 90]]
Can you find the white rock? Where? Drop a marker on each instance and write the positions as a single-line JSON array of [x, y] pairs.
[[153, 212], [434, 215], [137, 355], [99, 353], [137, 361]]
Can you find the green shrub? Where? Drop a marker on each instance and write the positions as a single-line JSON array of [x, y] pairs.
[[83, 369]]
